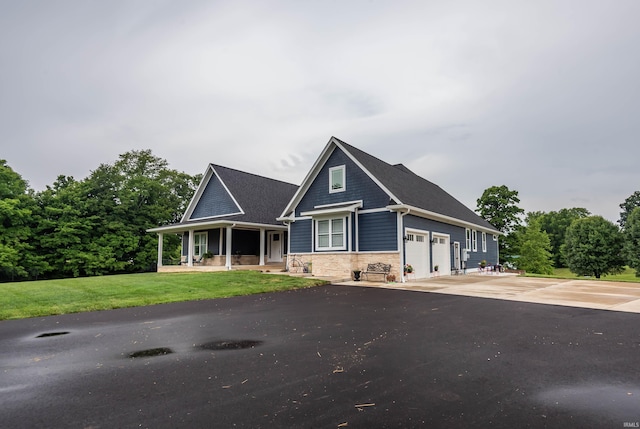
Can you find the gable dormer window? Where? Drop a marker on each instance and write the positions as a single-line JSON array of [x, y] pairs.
[[337, 179]]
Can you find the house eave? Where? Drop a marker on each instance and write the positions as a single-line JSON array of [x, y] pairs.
[[183, 227], [440, 217]]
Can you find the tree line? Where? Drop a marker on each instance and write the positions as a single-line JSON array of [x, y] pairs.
[[93, 226], [569, 238], [97, 225]]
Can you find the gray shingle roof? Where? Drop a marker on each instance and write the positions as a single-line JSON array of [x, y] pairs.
[[413, 190], [261, 198]]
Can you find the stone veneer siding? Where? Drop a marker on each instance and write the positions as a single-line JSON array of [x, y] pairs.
[[341, 264]]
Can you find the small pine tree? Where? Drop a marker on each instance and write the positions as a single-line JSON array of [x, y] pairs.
[[535, 250]]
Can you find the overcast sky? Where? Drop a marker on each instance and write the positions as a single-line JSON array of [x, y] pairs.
[[540, 96]]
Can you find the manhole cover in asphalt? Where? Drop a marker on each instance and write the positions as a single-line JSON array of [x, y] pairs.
[[229, 345], [160, 351], [51, 334]]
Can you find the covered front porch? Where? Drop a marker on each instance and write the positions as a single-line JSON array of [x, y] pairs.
[[216, 246], [273, 267]]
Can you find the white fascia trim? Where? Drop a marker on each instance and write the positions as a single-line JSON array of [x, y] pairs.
[[440, 217], [371, 176], [309, 178], [216, 224], [380, 210], [331, 211], [198, 193], [344, 203], [416, 231], [227, 189], [200, 190]]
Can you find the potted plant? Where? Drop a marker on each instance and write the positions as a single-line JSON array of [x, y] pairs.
[[408, 268], [483, 264], [356, 275], [435, 268]]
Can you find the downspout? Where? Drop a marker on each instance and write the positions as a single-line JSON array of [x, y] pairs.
[[401, 243]]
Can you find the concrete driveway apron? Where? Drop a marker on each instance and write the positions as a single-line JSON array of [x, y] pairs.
[[603, 295]]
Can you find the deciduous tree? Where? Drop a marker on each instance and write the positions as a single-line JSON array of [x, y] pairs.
[[499, 206], [593, 247], [555, 224], [632, 240], [17, 259], [627, 207]]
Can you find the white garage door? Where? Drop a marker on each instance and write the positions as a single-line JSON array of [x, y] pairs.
[[417, 248], [441, 254]]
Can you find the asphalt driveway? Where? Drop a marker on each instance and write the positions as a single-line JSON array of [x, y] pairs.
[[331, 356]]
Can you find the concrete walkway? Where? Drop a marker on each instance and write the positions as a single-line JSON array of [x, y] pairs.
[[603, 295]]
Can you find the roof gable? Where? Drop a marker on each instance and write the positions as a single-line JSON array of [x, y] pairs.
[[403, 187], [234, 195], [413, 190], [215, 201]]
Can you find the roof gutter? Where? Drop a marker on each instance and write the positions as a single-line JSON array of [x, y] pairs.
[[217, 223], [441, 217]]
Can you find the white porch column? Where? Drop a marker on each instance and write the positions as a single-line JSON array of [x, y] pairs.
[[349, 235], [190, 249], [220, 242], [262, 241], [228, 248], [160, 240]]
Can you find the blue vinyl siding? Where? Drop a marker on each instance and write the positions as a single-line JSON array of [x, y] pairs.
[[359, 186], [301, 236], [214, 201], [378, 232], [457, 233]]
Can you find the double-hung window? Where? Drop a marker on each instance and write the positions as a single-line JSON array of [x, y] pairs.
[[337, 179], [199, 244], [331, 234], [474, 240], [467, 233], [484, 242]]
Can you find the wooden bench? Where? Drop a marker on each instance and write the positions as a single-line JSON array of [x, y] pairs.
[[378, 268]]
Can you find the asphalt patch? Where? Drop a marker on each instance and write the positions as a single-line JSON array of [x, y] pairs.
[[52, 334], [158, 351]]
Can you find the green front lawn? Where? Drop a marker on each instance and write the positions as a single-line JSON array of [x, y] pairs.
[[48, 297]]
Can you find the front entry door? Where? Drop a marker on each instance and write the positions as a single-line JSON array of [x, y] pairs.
[[275, 247]]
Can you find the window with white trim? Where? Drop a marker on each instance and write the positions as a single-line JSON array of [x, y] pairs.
[[331, 234], [484, 242], [474, 240], [199, 244], [337, 179], [467, 233]]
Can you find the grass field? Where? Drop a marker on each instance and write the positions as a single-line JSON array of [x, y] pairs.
[[628, 275], [48, 297]]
